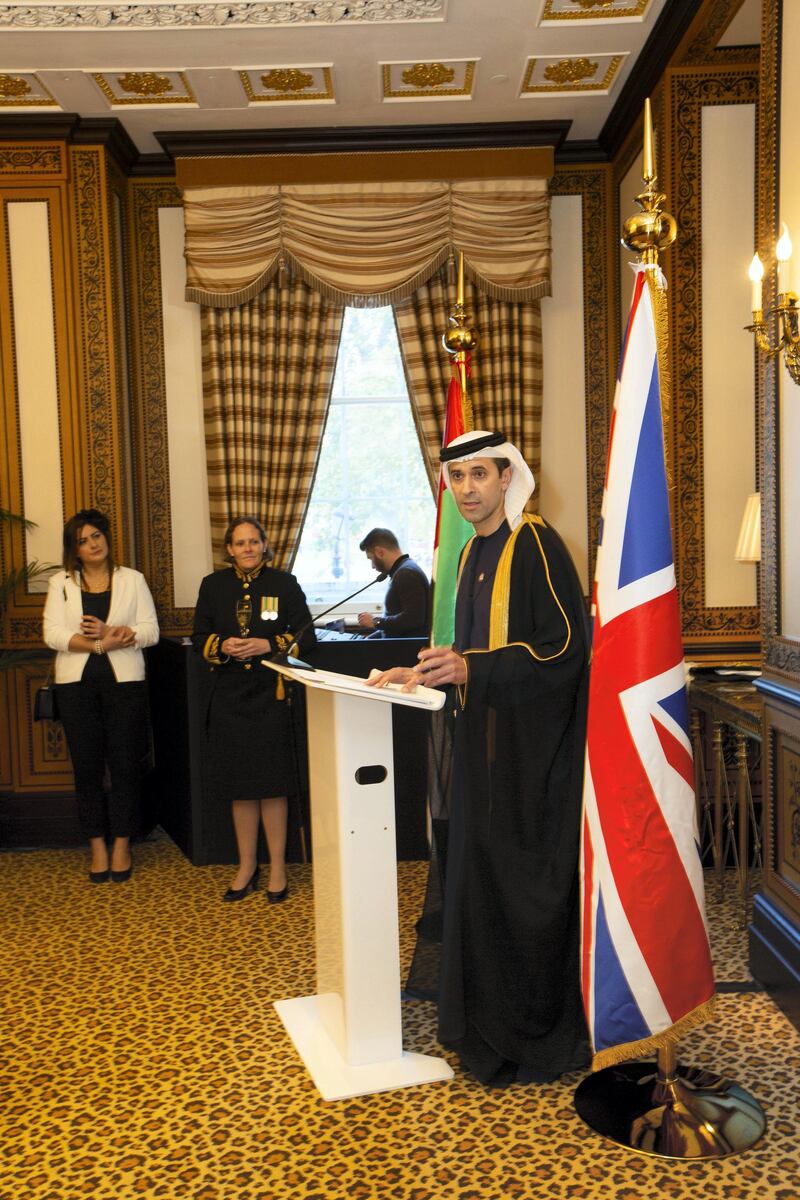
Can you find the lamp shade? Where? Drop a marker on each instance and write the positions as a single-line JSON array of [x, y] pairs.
[[748, 548]]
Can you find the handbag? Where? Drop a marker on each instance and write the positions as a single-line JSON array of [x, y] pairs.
[[45, 703]]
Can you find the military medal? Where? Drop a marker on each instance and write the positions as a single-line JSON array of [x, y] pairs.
[[269, 608]]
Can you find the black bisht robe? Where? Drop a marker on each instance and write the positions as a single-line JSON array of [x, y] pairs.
[[509, 995]]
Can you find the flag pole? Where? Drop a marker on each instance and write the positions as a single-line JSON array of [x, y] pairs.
[[659, 1109], [452, 530], [459, 340], [461, 357]]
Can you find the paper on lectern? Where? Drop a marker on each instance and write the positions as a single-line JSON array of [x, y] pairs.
[[352, 685]]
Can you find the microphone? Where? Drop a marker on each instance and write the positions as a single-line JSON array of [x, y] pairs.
[[284, 659]]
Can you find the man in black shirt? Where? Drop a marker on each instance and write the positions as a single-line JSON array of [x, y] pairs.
[[407, 602]]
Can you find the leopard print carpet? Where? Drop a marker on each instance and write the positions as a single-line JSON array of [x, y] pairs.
[[142, 1059]]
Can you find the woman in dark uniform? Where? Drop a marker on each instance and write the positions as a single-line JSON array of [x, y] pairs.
[[243, 614]]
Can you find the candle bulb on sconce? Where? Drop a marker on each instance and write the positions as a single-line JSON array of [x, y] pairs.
[[783, 251], [756, 274], [786, 310]]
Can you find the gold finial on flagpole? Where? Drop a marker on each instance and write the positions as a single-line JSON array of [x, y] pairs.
[[459, 340], [651, 230], [648, 155]]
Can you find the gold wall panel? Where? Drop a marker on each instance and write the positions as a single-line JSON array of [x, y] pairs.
[[42, 760], [117, 206], [102, 427], [22, 622], [700, 43], [33, 161], [687, 92], [594, 186], [149, 391], [74, 183]]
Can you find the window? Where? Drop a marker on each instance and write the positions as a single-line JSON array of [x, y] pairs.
[[370, 470]]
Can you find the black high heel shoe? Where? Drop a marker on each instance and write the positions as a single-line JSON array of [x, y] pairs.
[[122, 876], [240, 893], [278, 897], [99, 876]]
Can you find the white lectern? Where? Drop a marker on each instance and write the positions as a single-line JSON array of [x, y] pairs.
[[349, 1034]]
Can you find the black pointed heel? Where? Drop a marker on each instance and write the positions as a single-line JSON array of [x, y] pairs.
[[240, 893], [99, 876], [122, 876], [278, 897]]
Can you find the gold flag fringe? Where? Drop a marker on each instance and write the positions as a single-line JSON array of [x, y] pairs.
[[617, 1054], [658, 299]]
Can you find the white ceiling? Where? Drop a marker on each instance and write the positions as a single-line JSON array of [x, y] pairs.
[[61, 45]]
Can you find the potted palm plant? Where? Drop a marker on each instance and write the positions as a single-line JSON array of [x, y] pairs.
[[9, 582]]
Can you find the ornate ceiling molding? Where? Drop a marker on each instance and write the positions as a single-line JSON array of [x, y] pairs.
[[288, 85], [451, 80], [182, 14]]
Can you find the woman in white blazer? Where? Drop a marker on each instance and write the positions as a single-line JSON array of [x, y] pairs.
[[98, 617]]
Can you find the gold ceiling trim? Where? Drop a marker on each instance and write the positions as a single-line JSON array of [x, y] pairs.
[[564, 74], [143, 87], [594, 10], [428, 75], [429, 80], [14, 91], [287, 85]]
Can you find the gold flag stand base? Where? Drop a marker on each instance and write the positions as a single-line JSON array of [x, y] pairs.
[[670, 1111]]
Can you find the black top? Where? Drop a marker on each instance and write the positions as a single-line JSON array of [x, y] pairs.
[[248, 750], [98, 668], [279, 612], [408, 601], [474, 599]]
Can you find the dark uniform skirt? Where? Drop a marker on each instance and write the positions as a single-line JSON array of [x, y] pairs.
[[250, 753]]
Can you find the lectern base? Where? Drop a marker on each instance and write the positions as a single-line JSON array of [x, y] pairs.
[[337, 1080]]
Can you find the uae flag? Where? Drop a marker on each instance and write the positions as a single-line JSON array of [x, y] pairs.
[[646, 965], [452, 531]]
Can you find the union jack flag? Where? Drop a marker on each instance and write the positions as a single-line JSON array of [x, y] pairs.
[[645, 959]]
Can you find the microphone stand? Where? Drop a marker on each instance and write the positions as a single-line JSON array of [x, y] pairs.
[[285, 659]]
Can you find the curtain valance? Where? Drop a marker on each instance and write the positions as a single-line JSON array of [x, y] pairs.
[[367, 243]]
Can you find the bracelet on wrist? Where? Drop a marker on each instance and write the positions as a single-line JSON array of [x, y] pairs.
[[98, 647]]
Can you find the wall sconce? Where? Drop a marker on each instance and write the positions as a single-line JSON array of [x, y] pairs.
[[786, 310], [748, 547]]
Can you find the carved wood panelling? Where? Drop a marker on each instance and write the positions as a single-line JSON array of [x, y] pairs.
[[32, 161], [593, 185], [787, 848], [782, 812], [6, 773], [89, 412], [94, 298], [42, 760], [688, 91], [116, 201], [152, 451], [701, 42], [22, 624]]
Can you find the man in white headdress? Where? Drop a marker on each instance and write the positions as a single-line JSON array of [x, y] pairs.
[[509, 999]]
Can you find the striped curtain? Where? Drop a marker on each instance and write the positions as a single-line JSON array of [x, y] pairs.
[[505, 386], [267, 375]]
